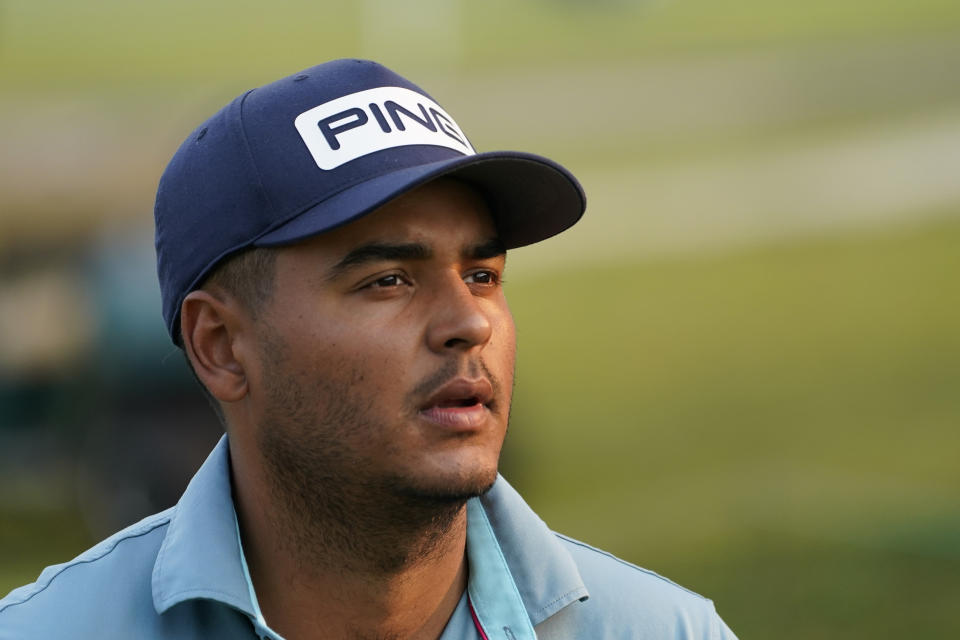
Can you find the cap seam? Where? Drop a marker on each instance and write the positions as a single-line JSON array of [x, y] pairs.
[[253, 163]]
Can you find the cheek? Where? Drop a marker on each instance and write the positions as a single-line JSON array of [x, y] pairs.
[[503, 345], [373, 357], [508, 336]]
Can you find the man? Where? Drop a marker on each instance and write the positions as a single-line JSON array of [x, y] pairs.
[[330, 251]]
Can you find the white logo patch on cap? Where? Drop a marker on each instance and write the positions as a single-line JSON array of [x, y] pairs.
[[355, 125]]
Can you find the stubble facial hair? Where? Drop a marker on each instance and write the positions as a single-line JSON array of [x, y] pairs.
[[331, 514]]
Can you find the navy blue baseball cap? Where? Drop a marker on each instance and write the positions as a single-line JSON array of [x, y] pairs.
[[320, 148]]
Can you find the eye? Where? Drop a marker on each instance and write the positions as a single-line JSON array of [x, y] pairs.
[[482, 277], [387, 281]]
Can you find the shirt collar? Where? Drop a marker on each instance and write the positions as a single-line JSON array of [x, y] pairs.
[[200, 556], [543, 571]]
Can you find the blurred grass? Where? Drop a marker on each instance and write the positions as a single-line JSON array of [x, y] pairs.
[[34, 539], [585, 32], [800, 588], [54, 43], [774, 427]]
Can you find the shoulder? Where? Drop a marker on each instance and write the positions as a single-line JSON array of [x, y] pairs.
[[111, 579], [605, 572], [625, 597]]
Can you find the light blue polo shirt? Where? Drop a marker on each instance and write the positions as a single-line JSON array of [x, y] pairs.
[[181, 574]]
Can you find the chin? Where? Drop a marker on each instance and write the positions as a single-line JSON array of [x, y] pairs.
[[453, 489]]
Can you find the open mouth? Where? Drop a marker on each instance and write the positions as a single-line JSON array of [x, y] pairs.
[[460, 403]]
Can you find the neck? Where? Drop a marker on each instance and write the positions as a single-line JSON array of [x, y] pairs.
[[346, 561]]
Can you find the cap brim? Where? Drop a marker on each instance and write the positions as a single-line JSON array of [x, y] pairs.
[[531, 197]]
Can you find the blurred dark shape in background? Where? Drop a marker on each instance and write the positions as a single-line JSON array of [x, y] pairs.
[[84, 345]]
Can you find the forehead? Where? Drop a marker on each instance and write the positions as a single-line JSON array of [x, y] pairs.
[[443, 214]]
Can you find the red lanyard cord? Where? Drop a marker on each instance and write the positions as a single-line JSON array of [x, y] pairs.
[[476, 621]]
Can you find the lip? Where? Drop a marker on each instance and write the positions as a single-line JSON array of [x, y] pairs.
[[461, 404]]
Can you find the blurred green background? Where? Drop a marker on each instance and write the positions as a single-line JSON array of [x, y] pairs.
[[740, 370]]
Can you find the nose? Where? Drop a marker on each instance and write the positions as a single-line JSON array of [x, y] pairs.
[[458, 320]]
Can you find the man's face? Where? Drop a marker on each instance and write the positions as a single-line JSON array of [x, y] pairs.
[[386, 352]]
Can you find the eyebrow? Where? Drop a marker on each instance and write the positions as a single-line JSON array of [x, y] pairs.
[[385, 252], [490, 249]]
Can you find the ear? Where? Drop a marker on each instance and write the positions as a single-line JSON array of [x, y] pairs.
[[209, 326]]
